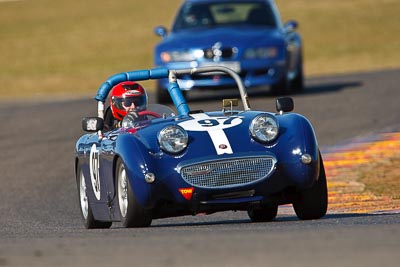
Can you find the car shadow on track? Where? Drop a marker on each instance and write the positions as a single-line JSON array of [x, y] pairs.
[[329, 219], [323, 88], [330, 87]]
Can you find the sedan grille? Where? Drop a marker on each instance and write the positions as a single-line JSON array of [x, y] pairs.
[[225, 53], [228, 173]]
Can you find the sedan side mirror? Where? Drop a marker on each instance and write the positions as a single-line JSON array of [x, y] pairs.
[[291, 26], [92, 124], [284, 104], [160, 31]]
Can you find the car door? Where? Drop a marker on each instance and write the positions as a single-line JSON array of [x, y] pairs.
[[96, 161]]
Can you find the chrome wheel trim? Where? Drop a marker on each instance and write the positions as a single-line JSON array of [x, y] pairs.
[[83, 197], [122, 190]]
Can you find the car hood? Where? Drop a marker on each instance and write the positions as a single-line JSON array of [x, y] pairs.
[[210, 134], [235, 37]]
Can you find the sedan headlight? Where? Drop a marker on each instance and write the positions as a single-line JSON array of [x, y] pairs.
[[173, 139], [180, 56], [264, 128], [261, 52]]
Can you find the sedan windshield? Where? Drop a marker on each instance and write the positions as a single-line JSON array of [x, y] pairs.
[[214, 14]]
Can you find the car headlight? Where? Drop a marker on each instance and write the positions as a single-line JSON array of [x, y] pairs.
[[264, 128], [173, 139], [261, 52], [174, 56]]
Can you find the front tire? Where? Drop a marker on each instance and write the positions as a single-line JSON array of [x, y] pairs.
[[312, 203], [132, 214], [86, 210]]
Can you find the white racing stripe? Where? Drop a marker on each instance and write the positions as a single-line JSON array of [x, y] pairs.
[[220, 141], [214, 126]]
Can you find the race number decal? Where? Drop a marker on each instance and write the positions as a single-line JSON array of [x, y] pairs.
[[214, 126], [94, 170]]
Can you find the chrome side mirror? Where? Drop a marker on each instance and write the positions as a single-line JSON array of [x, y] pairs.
[[92, 124]]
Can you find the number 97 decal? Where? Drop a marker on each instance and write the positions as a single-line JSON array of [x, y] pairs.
[[214, 126], [205, 123]]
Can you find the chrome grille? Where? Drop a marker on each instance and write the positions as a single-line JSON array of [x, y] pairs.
[[228, 173]]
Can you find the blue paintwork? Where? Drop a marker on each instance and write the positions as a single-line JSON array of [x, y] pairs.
[[140, 151], [177, 98], [137, 75], [286, 65]]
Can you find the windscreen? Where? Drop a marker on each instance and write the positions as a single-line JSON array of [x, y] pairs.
[[163, 110], [215, 14]]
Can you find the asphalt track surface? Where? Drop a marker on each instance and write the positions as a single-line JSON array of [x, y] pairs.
[[40, 223]]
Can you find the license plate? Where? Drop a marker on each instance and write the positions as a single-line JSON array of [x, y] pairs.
[[233, 65]]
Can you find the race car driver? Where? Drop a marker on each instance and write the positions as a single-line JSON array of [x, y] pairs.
[[125, 98]]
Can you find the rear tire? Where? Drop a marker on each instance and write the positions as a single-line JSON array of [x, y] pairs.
[[85, 208], [313, 203], [132, 214], [264, 214]]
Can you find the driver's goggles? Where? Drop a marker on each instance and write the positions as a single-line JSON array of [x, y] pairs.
[[137, 101]]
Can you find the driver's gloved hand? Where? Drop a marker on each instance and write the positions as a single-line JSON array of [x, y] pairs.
[[131, 119], [134, 114]]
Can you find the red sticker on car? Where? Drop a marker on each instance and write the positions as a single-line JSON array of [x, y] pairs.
[[186, 192]]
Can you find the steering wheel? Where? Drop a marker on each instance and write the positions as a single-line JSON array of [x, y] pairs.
[[130, 119], [149, 113]]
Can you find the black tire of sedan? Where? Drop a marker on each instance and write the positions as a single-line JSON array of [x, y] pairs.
[[132, 214], [313, 202], [297, 85], [264, 214], [85, 208]]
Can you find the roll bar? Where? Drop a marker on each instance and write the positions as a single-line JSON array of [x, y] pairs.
[[173, 87]]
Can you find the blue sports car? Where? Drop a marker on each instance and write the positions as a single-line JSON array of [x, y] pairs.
[[246, 36], [184, 162]]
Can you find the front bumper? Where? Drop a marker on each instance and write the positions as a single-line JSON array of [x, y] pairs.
[[208, 195], [253, 75]]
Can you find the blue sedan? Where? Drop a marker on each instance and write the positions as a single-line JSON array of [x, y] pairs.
[[246, 36]]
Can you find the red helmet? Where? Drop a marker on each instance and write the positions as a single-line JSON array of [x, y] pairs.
[[124, 95]]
